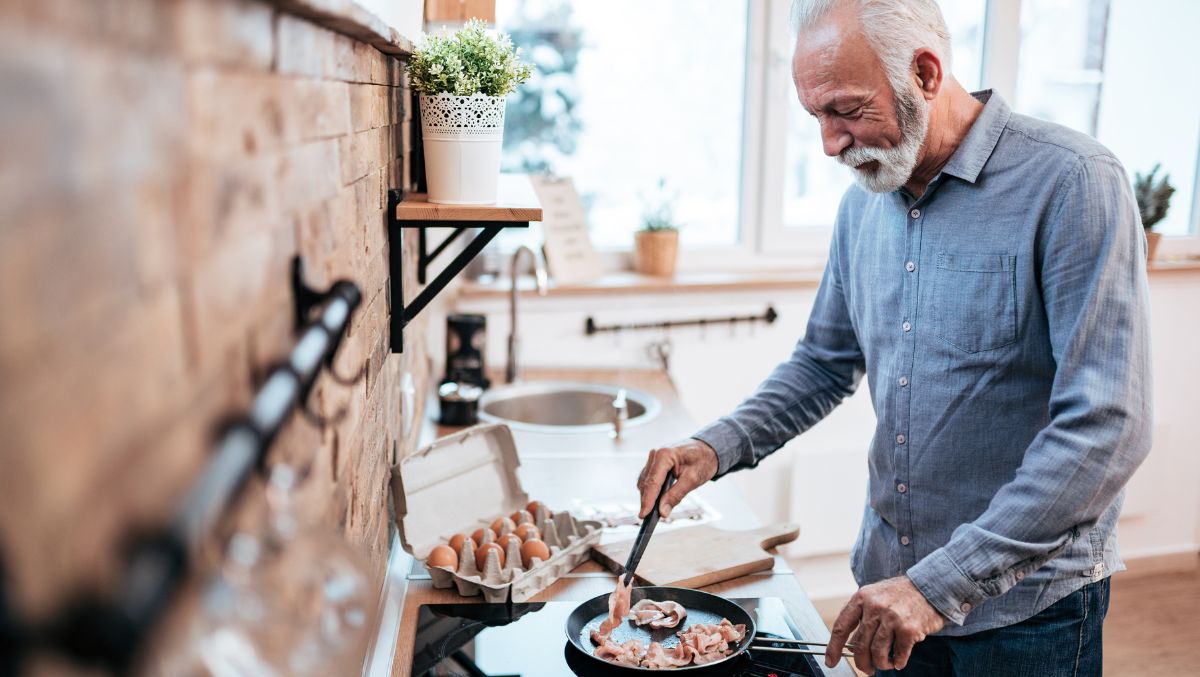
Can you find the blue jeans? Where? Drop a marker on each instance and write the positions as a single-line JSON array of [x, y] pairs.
[[1062, 641]]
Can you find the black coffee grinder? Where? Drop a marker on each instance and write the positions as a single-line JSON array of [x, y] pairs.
[[466, 377], [466, 341]]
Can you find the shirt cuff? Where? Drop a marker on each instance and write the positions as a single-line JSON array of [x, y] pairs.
[[945, 586], [727, 440]]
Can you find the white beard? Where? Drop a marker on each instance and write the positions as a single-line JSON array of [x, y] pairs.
[[895, 164]]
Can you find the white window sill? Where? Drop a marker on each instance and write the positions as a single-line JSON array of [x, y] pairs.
[[632, 283]]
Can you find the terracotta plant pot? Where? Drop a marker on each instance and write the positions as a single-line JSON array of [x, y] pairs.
[[1152, 239], [655, 252]]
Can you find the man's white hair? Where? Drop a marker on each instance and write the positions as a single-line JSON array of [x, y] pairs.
[[896, 29]]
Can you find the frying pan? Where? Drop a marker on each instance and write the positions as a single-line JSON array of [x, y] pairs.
[[702, 607]]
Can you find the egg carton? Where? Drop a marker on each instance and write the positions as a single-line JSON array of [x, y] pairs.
[[448, 486], [567, 538]]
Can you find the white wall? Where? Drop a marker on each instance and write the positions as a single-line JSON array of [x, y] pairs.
[[819, 479], [406, 16]]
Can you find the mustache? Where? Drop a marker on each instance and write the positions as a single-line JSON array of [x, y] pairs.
[[856, 156]]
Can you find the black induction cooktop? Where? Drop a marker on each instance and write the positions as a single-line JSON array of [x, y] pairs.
[[527, 640]]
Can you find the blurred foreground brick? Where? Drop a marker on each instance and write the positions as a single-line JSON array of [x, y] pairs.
[[163, 162]]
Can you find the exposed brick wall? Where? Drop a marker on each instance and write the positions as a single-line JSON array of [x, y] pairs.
[[162, 162]]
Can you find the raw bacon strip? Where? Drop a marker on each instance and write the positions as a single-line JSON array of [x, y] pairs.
[[658, 657], [658, 614], [634, 653], [618, 606], [630, 653], [711, 643], [723, 631]]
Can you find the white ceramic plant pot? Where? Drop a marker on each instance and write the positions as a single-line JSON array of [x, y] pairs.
[[462, 136]]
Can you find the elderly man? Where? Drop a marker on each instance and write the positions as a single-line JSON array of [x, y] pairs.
[[987, 275]]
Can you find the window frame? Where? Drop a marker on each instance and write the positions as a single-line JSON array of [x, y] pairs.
[[1000, 65], [768, 65], [775, 240], [1186, 246]]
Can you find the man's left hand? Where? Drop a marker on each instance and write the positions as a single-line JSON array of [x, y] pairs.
[[891, 616]]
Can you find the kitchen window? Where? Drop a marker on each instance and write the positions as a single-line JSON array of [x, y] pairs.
[[700, 93], [628, 92], [1122, 71]]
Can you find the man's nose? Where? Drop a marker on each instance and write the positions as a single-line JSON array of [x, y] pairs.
[[835, 139]]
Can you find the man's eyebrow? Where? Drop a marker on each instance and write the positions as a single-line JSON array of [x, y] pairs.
[[842, 102], [838, 103]]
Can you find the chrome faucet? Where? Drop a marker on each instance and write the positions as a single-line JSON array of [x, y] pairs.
[[539, 275], [620, 413]]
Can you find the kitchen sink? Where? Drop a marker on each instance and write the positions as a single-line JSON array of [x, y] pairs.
[[565, 406]]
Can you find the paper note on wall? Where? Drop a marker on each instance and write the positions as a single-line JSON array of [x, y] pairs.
[[568, 249]]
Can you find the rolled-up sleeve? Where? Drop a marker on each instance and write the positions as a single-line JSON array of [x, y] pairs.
[[1093, 284], [825, 367]]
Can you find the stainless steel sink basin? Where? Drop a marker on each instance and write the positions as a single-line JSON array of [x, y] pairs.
[[564, 406]]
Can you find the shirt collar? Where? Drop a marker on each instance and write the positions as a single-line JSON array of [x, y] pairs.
[[970, 156]]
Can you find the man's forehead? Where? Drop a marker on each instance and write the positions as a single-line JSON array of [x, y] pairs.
[[833, 57]]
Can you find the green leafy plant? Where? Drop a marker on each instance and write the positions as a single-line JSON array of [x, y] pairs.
[[1153, 198], [659, 214], [467, 62]]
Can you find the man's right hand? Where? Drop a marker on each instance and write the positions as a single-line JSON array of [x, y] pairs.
[[693, 462]]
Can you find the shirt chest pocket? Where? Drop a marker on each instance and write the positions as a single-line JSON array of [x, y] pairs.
[[974, 300]]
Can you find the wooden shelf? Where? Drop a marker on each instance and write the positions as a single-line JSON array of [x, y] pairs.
[[515, 207], [516, 201]]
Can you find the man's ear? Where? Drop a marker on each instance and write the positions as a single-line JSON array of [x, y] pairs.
[[929, 73]]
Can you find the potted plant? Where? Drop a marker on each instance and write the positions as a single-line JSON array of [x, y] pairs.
[[462, 79], [657, 243], [1153, 199]]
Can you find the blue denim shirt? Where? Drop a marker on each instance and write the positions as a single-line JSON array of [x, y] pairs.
[[1001, 320]]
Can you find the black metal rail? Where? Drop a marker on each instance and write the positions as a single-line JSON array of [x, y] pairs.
[[591, 328], [108, 630]]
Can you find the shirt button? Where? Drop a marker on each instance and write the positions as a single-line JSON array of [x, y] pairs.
[[910, 266], [902, 488], [907, 326], [904, 540], [916, 213], [903, 381], [966, 607], [900, 439], [1020, 575]]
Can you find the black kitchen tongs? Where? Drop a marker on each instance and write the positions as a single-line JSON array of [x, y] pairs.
[[643, 537]]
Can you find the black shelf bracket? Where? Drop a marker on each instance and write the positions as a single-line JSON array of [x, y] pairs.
[[402, 314]]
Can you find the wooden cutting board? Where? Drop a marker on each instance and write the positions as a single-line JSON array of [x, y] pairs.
[[693, 557]]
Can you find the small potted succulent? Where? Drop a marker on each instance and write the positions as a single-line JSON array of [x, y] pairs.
[[1153, 199], [657, 242], [463, 79]]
